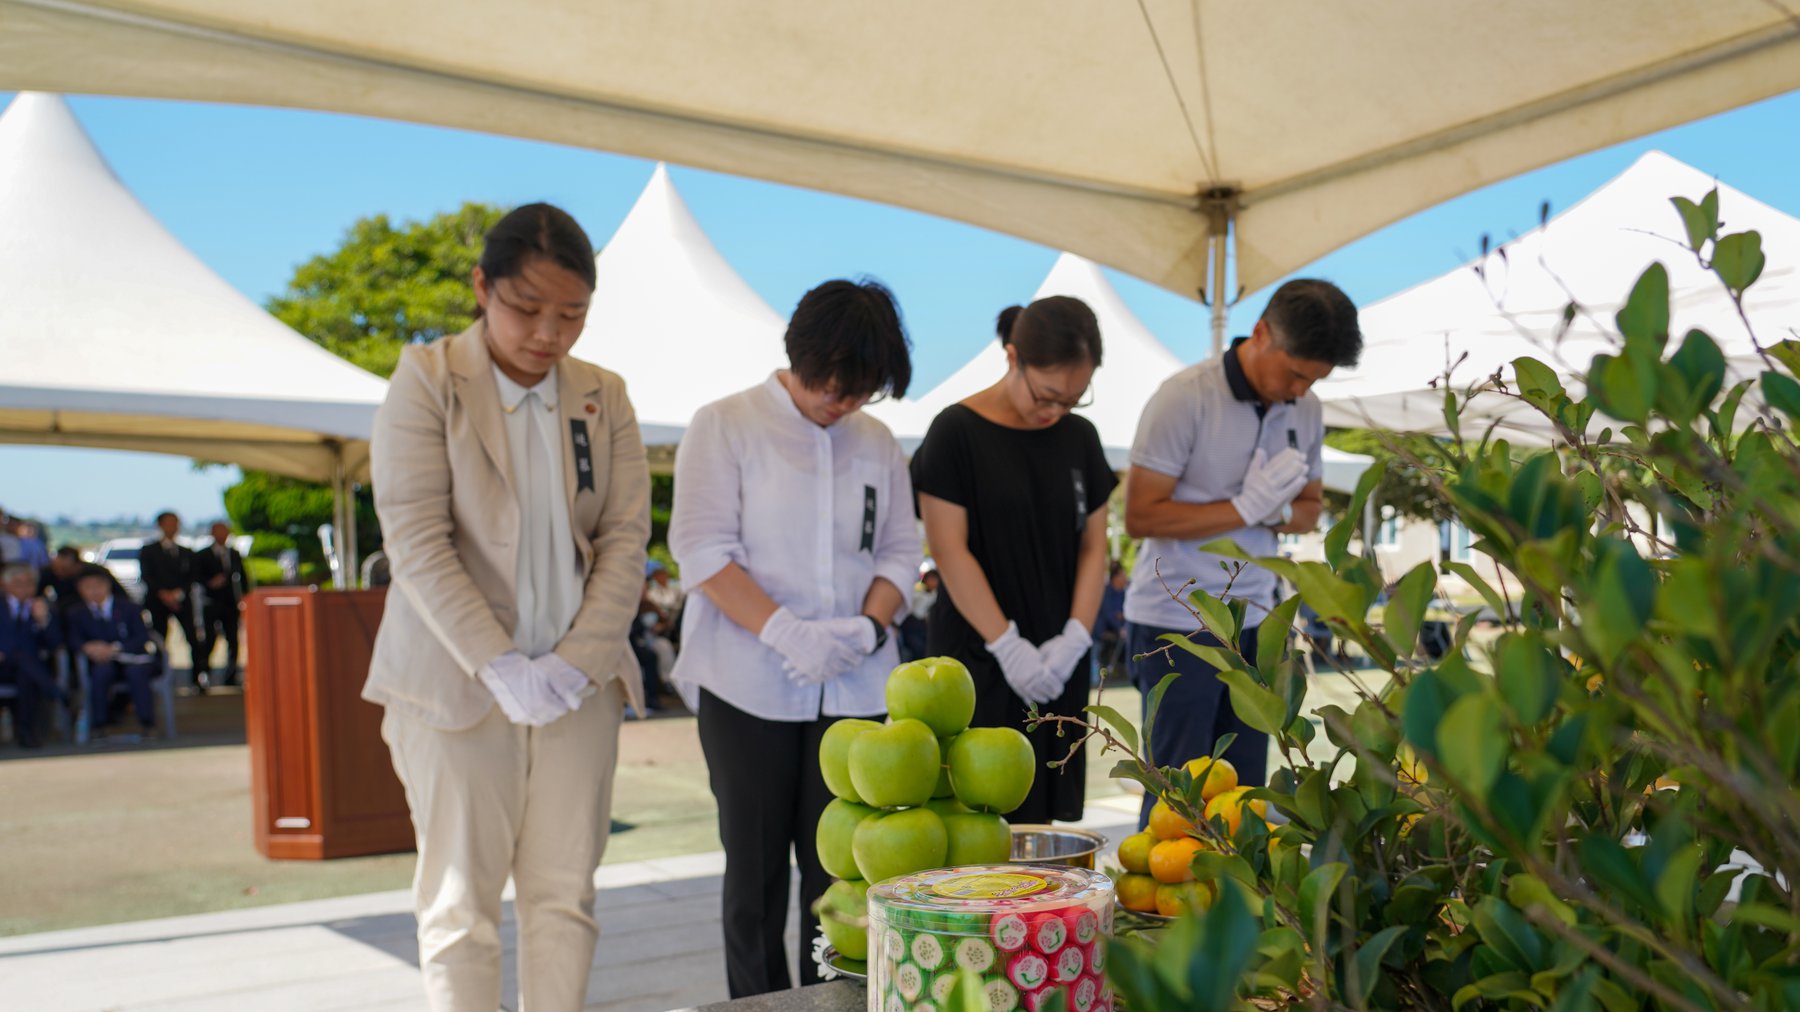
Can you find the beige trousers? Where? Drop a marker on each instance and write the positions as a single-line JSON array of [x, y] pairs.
[[496, 800]]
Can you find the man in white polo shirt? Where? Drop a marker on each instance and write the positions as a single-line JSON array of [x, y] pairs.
[[1228, 448]]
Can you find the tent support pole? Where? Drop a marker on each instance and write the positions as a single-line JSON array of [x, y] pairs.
[[1220, 204]]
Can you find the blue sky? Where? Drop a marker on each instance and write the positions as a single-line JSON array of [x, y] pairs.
[[254, 192]]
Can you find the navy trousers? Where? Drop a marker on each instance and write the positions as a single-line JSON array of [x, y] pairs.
[[100, 685], [1196, 710]]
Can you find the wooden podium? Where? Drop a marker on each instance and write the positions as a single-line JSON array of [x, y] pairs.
[[322, 784]]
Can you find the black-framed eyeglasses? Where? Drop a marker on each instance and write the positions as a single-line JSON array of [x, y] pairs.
[[831, 394], [1046, 403]]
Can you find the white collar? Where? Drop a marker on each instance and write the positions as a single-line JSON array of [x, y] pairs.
[[512, 393], [785, 406]]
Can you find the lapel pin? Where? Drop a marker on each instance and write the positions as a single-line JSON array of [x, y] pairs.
[[593, 409]]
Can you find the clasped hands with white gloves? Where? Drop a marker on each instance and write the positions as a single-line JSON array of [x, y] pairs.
[[1270, 484], [534, 691], [814, 651], [1039, 673]]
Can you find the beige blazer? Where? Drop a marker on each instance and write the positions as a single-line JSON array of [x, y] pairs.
[[450, 521]]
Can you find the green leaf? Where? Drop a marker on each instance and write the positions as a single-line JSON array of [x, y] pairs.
[[1528, 675], [1538, 383], [1124, 729], [1337, 540], [1611, 866], [1527, 891], [1213, 656], [1496, 986], [1620, 598], [1510, 935], [1317, 891], [1368, 960], [1675, 887], [1482, 587], [1406, 608], [1619, 390], [1272, 635], [1157, 693], [1216, 615], [1700, 225], [1738, 260], [1426, 700], [1702, 364], [1645, 315], [1782, 393], [1763, 915], [1473, 744], [1254, 704]]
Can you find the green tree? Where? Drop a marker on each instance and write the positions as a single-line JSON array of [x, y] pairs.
[[384, 287], [1404, 486], [388, 286]]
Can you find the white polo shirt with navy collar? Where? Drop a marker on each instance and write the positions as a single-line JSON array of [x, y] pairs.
[[1201, 428]]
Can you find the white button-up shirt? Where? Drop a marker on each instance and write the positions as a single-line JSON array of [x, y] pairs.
[[549, 581], [813, 514]]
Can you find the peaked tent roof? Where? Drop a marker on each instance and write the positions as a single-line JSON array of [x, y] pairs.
[[673, 318], [1592, 253], [1133, 363], [1101, 130], [113, 335]]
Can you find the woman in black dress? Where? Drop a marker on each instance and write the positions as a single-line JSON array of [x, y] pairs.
[[1013, 489]]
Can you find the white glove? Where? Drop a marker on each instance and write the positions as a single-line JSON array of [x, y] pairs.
[[1271, 483], [816, 651], [1061, 651], [1023, 667], [521, 690], [564, 679]]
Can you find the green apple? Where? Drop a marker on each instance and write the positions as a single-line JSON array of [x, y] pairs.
[[992, 768], [895, 765], [943, 789], [977, 838], [936, 690], [837, 825], [834, 755], [843, 917], [947, 806], [899, 843]]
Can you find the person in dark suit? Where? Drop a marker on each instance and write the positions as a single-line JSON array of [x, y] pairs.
[[109, 630], [219, 570], [167, 568], [29, 631]]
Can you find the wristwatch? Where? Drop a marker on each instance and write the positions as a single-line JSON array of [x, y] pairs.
[[880, 632], [1285, 517]]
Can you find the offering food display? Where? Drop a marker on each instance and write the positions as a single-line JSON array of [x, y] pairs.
[[1026, 931]]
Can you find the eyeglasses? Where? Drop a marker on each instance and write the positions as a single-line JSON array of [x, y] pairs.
[[1046, 403], [832, 395]]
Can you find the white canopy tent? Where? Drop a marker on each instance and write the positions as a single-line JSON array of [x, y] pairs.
[[672, 317], [115, 336], [1133, 364], [1592, 253], [1132, 134]]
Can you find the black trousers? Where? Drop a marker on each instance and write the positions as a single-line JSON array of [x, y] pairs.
[[183, 615], [765, 775], [32, 683], [221, 622]]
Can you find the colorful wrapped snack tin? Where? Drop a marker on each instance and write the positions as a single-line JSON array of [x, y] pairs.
[[1028, 931]]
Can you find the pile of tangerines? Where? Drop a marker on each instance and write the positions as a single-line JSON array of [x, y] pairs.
[[1159, 874]]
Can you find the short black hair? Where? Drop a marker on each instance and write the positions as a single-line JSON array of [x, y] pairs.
[[1314, 320], [92, 572], [849, 334], [537, 230], [1055, 331], [68, 552], [166, 513]]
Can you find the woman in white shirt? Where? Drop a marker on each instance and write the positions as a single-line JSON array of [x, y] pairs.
[[793, 521]]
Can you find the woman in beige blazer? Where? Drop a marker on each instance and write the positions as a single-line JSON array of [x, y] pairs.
[[513, 494]]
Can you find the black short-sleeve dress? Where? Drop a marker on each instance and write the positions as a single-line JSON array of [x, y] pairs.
[[1028, 494]]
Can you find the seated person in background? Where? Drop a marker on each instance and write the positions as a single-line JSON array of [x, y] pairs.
[[912, 626], [109, 631], [28, 633], [57, 581], [664, 596], [639, 637], [1109, 627]]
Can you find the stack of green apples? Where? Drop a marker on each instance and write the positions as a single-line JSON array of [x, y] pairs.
[[922, 791]]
